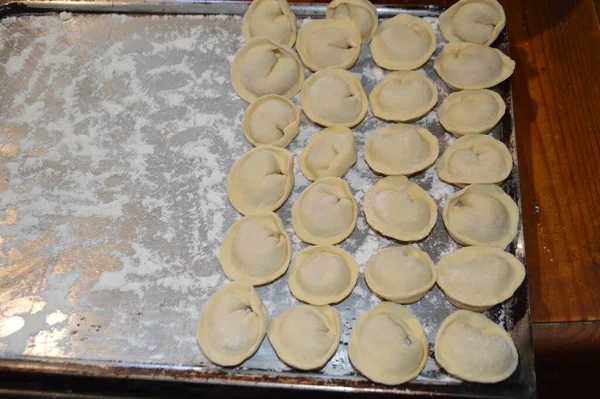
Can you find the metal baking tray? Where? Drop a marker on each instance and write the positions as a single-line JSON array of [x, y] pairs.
[[118, 126]]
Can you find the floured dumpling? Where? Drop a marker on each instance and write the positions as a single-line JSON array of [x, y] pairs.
[[471, 347], [256, 249], [271, 120], [473, 21], [477, 278], [328, 43], [475, 159], [362, 12], [481, 214], [402, 43], [305, 337], [472, 66], [331, 152], [325, 213], [401, 149], [471, 111], [401, 274], [271, 18], [400, 209], [323, 275], [232, 324], [265, 67], [334, 97], [387, 344], [261, 180], [403, 96]]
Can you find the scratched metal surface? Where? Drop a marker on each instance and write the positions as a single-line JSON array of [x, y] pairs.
[[117, 133]]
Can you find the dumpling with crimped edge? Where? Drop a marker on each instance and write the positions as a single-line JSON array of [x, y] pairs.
[[481, 214], [325, 213], [400, 209], [331, 152], [256, 249], [362, 12], [475, 159], [472, 66], [388, 345], [271, 18], [232, 324], [401, 274], [261, 180], [403, 96], [401, 149], [262, 67], [471, 111], [478, 278], [471, 347], [328, 43], [403, 42], [473, 21], [271, 120], [333, 97], [305, 337], [322, 275]]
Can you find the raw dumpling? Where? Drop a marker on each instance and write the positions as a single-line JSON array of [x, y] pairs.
[[305, 337], [387, 344], [323, 275], [401, 149], [232, 324], [256, 249], [331, 152], [400, 209], [471, 347], [271, 120], [261, 180], [471, 111], [477, 278], [328, 43], [271, 18], [481, 214], [473, 21], [334, 97], [401, 274], [475, 159], [402, 43], [325, 213], [403, 97], [362, 12], [472, 66], [265, 67]]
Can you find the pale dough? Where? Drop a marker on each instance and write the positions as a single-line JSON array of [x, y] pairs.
[[331, 152], [477, 278], [305, 337], [271, 120], [475, 159], [401, 274], [325, 213], [471, 111], [328, 43], [401, 149], [400, 209], [232, 324], [481, 214], [403, 96], [473, 21], [362, 12], [262, 67], [256, 249], [261, 180], [471, 347], [387, 344], [322, 275], [271, 18]]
